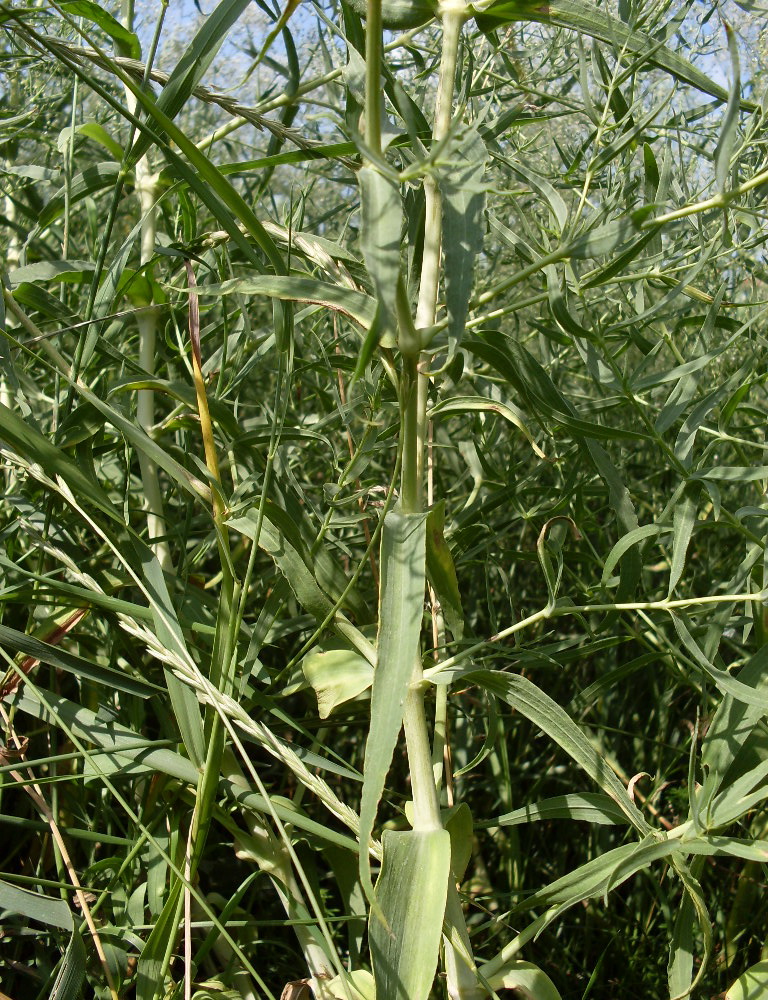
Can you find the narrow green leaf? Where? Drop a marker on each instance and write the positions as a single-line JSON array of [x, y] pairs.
[[543, 187], [376, 331], [751, 985], [727, 139], [540, 709], [559, 306], [722, 678], [611, 151], [595, 22], [184, 393], [140, 440], [129, 747], [84, 184], [681, 950], [626, 515], [411, 891], [736, 847], [543, 398], [683, 522], [732, 473], [94, 131], [48, 910], [458, 822], [626, 542], [357, 305], [586, 807], [315, 578], [588, 881], [381, 226], [442, 572], [523, 371], [733, 723], [463, 198], [476, 404], [193, 65], [71, 271], [694, 894], [738, 797], [186, 708], [126, 42], [603, 239], [157, 952], [620, 263], [32, 445], [79, 666], [526, 979], [72, 972], [401, 606]]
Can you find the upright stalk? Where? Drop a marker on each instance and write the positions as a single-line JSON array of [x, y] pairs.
[[414, 422], [459, 964], [147, 321], [461, 979]]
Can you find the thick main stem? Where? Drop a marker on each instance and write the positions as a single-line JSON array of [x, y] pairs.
[[414, 421], [461, 980]]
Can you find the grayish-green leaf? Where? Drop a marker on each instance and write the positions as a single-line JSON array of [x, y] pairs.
[[48, 910], [751, 985], [411, 892], [537, 706], [336, 676], [356, 305], [463, 197], [586, 807], [727, 139], [401, 603], [381, 225]]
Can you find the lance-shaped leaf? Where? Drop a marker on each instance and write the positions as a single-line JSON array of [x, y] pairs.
[[381, 226], [337, 676], [731, 122], [53, 913], [314, 578], [472, 404], [356, 305], [126, 42], [463, 197], [401, 604], [586, 807], [735, 720], [595, 22], [545, 713], [442, 572], [526, 979], [193, 64], [411, 892], [751, 985]]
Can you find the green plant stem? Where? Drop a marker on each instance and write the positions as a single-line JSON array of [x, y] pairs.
[[413, 439], [460, 967], [453, 18], [147, 190], [458, 960], [426, 808], [373, 42]]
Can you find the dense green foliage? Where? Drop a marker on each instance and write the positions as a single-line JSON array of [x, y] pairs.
[[241, 440]]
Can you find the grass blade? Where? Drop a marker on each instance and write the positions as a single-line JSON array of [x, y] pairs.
[[403, 572], [411, 891]]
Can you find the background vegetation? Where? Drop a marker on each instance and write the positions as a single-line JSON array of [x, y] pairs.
[[227, 404]]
